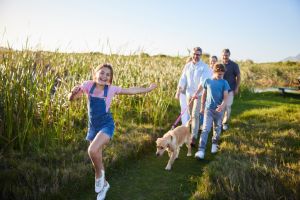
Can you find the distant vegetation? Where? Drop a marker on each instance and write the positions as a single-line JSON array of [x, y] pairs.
[[281, 74], [42, 149]]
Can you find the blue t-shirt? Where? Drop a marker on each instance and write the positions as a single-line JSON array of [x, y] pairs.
[[232, 71], [215, 92]]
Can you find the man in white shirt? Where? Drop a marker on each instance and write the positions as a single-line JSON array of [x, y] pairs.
[[194, 73]]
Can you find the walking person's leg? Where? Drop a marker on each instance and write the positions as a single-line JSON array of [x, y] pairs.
[[183, 105], [207, 124], [95, 152], [217, 131], [190, 109], [194, 111], [195, 117], [201, 118], [227, 110]]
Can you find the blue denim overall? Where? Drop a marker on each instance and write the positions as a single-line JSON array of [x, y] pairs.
[[99, 119]]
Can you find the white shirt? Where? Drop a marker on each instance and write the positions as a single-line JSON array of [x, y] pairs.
[[193, 75]]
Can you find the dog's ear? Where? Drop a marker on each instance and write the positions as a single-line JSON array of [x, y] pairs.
[[158, 140]]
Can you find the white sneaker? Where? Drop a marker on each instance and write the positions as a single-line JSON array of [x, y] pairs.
[[99, 182], [200, 154], [214, 148], [225, 127], [101, 195]]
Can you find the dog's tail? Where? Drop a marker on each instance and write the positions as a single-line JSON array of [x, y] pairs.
[[188, 123]]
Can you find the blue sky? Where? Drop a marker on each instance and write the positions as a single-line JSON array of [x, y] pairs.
[[261, 30]]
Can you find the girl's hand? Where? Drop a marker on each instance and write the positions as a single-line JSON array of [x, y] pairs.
[[75, 91], [152, 86]]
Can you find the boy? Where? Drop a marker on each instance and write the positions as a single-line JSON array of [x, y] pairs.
[[214, 98]]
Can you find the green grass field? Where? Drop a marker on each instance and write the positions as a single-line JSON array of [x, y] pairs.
[[258, 160], [43, 151], [259, 156]]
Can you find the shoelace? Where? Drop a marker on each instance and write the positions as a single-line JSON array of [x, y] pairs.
[[98, 183]]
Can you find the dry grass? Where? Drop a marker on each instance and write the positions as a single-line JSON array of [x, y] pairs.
[[262, 75]]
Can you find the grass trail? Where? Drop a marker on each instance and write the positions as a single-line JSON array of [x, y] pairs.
[[147, 179]]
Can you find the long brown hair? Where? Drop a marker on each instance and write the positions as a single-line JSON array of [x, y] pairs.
[[109, 66]]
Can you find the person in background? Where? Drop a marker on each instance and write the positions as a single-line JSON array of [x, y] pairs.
[[100, 93], [212, 61], [233, 77], [194, 73]]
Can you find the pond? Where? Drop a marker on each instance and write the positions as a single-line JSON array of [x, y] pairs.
[[277, 89]]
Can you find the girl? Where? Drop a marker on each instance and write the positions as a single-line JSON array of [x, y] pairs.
[[101, 125]]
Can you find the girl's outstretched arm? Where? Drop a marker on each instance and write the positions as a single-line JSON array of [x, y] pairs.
[[138, 90], [75, 93]]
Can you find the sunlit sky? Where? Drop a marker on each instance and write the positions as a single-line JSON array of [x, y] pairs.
[[260, 30]]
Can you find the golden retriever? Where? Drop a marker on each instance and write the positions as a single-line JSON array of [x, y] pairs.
[[172, 141]]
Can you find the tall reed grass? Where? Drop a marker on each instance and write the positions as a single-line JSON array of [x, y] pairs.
[[262, 75], [35, 111]]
